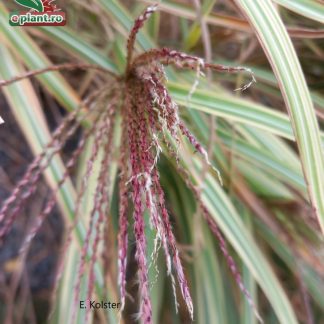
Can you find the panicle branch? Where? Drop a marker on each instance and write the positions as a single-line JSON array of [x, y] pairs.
[[28, 184], [85, 177], [101, 131], [123, 219], [172, 242], [101, 203], [57, 67], [138, 213], [138, 24], [230, 261], [215, 230], [39, 220], [166, 56]]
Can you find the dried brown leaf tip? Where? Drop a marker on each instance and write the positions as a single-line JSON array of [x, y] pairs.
[[150, 122]]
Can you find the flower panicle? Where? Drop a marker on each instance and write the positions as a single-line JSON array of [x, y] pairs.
[[149, 116]]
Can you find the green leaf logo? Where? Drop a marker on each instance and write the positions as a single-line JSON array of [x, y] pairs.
[[32, 4]]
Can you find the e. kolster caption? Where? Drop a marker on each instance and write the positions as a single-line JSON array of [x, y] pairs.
[[92, 304]]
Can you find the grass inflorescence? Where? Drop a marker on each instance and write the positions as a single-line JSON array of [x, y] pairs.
[[150, 119]]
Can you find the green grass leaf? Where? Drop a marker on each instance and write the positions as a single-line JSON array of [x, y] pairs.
[[308, 8], [234, 229], [283, 59], [73, 44], [229, 107]]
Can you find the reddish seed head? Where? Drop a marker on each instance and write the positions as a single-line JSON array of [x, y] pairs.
[[149, 116]]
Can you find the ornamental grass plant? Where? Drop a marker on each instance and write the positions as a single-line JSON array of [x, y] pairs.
[[189, 193]]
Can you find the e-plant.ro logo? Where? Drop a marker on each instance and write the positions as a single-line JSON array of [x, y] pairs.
[[41, 13]]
